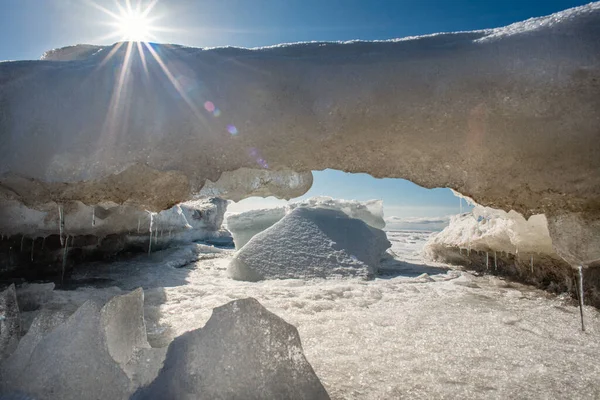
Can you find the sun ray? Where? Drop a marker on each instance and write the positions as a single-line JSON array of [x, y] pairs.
[[143, 58], [110, 54], [195, 110]]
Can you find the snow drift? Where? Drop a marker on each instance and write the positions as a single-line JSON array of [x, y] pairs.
[[243, 226], [308, 243]]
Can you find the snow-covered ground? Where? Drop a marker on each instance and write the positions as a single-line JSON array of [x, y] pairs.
[[446, 334]]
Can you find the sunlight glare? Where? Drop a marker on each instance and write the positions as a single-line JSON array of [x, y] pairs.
[[134, 26]]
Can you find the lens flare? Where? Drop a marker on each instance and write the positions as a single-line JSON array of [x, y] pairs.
[[232, 129], [209, 106]]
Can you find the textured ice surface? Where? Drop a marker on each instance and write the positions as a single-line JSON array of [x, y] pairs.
[[10, 322], [243, 226], [186, 222], [72, 362], [488, 229], [309, 243], [400, 335], [243, 352]]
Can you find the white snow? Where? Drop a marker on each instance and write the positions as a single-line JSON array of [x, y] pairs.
[[448, 334], [311, 242], [243, 226]]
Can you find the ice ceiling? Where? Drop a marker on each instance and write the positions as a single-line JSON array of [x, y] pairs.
[[509, 117]]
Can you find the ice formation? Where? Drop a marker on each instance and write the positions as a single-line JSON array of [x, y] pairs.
[[243, 352], [417, 223], [91, 353], [10, 323], [377, 339], [70, 362], [101, 352], [117, 228], [486, 229], [311, 242], [243, 226], [488, 113]]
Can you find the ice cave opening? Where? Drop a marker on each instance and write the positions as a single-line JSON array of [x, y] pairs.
[[122, 277]]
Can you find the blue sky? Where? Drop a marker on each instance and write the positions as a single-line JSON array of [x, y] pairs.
[[30, 27]]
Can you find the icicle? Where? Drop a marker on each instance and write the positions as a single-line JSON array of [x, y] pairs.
[[156, 235], [580, 270], [161, 232], [64, 260], [169, 233], [61, 224], [22, 240], [32, 243], [138, 225], [531, 263], [150, 229], [495, 262], [94, 216], [487, 260], [460, 250]]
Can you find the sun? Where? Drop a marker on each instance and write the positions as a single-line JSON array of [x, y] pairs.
[[134, 26], [130, 20]]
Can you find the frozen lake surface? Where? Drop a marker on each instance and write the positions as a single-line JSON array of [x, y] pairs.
[[447, 334]]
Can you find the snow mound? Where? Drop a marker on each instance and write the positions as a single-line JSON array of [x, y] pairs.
[[370, 211], [243, 226], [243, 352], [487, 229], [311, 242]]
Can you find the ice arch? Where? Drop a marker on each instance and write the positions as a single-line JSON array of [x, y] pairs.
[[509, 117]]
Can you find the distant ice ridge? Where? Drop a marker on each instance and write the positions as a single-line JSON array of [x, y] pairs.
[[417, 223], [245, 225], [311, 242], [488, 229]]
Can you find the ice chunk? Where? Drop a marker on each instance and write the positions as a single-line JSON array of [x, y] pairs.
[[83, 357], [44, 322], [123, 322], [311, 242], [244, 226], [10, 322], [73, 362], [243, 352]]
